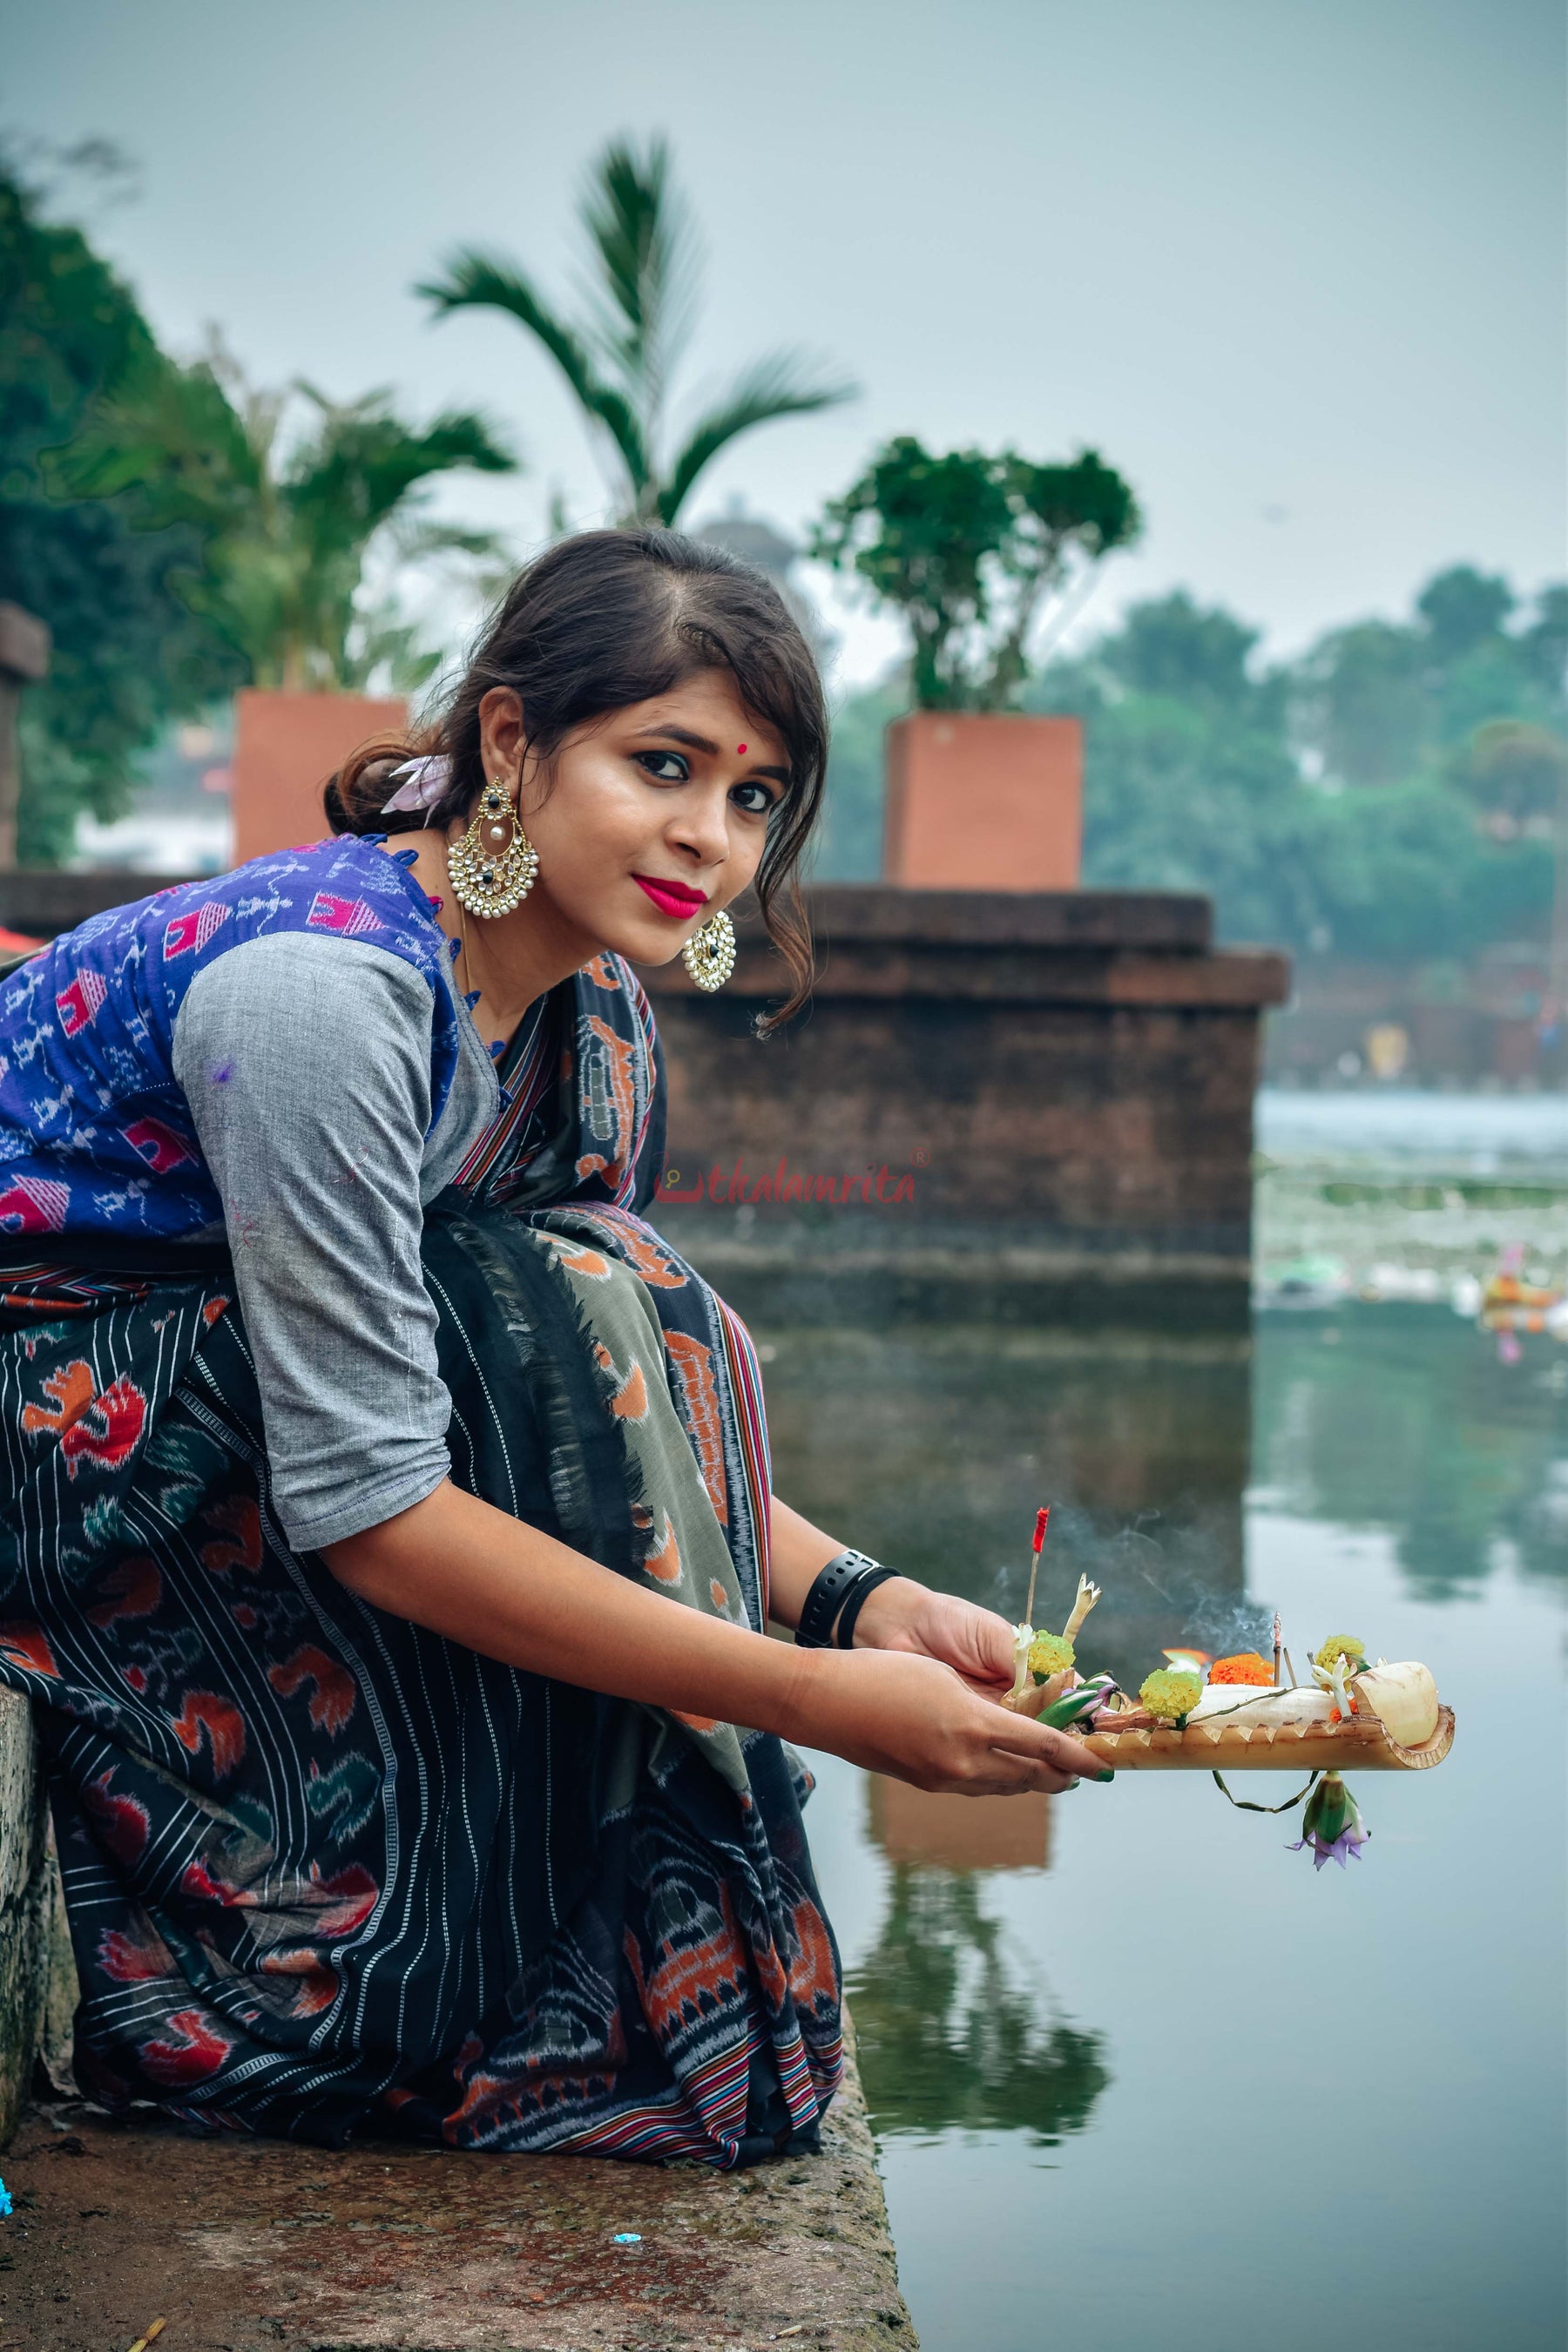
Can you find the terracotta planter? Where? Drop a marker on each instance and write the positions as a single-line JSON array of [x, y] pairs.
[[983, 801], [285, 748]]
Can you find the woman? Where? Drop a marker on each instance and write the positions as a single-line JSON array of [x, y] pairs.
[[390, 1529]]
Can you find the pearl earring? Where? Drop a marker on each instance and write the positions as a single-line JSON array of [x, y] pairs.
[[494, 864]]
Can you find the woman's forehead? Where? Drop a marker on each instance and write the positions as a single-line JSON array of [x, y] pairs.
[[709, 705]]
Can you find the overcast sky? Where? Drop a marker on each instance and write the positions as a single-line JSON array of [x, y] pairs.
[[1297, 267]]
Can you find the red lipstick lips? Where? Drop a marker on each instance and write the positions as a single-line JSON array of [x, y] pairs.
[[671, 897]]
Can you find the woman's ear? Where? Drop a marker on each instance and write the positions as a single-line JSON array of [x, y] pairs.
[[501, 738]]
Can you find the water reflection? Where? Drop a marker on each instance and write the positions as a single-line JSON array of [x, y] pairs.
[[955, 2028], [1405, 1420], [932, 1446], [1403, 1483], [959, 1833]]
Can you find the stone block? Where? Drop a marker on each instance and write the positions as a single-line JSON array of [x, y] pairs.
[[246, 2245], [26, 1906]]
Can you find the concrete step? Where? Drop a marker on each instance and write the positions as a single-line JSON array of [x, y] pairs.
[[243, 2245]]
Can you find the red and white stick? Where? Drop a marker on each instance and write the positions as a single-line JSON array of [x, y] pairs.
[[1042, 1521]]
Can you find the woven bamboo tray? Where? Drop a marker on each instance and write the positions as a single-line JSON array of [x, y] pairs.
[[1356, 1746]]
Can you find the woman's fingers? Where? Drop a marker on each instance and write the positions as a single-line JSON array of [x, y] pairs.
[[1057, 1751], [993, 1638]]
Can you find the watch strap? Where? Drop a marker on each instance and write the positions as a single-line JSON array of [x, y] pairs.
[[829, 1591]]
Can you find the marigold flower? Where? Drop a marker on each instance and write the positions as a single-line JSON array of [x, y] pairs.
[[1170, 1698], [1246, 1666], [1050, 1654], [1341, 1649]]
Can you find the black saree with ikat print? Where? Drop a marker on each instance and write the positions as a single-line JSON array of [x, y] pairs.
[[327, 1873]]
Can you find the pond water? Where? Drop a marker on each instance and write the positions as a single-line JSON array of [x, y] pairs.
[[1135, 2068]]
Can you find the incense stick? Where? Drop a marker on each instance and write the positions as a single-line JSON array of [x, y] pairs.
[[1277, 1649], [1042, 1521]]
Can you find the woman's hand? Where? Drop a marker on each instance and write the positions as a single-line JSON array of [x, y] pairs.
[[904, 1615], [920, 1721]]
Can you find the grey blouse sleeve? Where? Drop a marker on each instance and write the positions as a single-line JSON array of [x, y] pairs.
[[306, 1064]]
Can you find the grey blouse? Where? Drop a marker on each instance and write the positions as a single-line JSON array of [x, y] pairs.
[[320, 1142]]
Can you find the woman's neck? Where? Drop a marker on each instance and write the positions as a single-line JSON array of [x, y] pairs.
[[510, 960]]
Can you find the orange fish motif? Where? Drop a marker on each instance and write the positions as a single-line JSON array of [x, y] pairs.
[[238, 1518], [25, 1645], [223, 1723], [317, 1987], [629, 1402], [665, 1563], [133, 1588], [332, 1702], [199, 2053], [351, 1896], [578, 1258], [692, 1365], [109, 1432], [130, 1961], [69, 1391]]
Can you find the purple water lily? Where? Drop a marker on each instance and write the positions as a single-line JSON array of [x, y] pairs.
[[1331, 1825]]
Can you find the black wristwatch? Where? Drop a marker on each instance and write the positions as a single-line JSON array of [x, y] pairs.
[[837, 1595]]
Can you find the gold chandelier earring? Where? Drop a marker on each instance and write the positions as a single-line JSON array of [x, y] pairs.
[[708, 954], [493, 866]]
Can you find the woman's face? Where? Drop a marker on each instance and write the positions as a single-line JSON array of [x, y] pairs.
[[673, 793]]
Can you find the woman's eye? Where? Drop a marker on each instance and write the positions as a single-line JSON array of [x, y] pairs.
[[760, 801], [665, 767]]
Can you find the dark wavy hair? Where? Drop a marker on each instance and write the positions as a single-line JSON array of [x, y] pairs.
[[610, 618]]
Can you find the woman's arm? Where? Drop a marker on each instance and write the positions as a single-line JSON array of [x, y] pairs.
[[477, 1576], [898, 1615]]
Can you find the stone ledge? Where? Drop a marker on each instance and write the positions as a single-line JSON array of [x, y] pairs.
[[251, 2245]]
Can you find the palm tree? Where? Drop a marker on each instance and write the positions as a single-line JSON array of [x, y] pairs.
[[286, 520], [618, 359]]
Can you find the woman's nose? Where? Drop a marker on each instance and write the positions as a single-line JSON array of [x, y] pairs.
[[702, 827]]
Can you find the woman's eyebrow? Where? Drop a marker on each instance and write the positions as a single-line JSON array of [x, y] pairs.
[[693, 743], [683, 735]]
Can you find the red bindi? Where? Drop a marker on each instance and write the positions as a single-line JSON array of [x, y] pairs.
[[740, 750]]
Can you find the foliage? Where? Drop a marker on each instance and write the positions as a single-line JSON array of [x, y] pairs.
[[619, 358], [287, 518], [967, 547], [1378, 702], [850, 845], [1195, 780], [949, 2029], [128, 653]]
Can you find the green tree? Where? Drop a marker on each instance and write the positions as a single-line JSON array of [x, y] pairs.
[[1192, 783], [287, 519], [1363, 703], [619, 357], [1461, 610], [129, 653], [967, 548], [1172, 648]]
